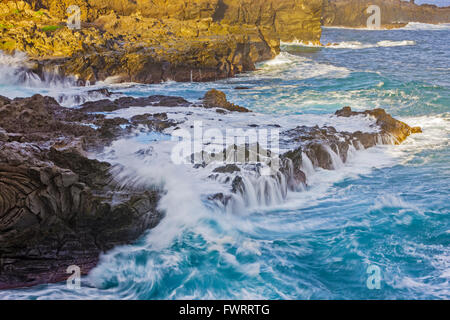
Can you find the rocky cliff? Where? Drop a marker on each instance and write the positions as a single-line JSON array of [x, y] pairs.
[[394, 13], [154, 41]]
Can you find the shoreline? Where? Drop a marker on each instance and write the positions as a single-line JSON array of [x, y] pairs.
[[149, 45], [53, 168], [405, 26], [64, 206]]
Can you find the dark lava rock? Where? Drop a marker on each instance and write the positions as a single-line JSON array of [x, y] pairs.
[[237, 186], [127, 102], [217, 99], [58, 207], [229, 168], [156, 122], [385, 121]]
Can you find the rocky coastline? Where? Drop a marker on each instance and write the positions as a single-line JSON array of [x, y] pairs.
[[394, 13], [59, 205], [153, 42]]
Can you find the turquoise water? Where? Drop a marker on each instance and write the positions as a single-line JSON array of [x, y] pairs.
[[387, 208]]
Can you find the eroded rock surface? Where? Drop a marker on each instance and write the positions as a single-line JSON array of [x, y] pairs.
[[58, 207], [319, 147], [154, 41], [217, 99]]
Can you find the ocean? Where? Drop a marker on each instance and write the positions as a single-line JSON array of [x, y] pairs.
[[386, 209]]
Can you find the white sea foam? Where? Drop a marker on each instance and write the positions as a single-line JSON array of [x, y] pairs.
[[435, 136], [15, 70], [186, 214], [425, 26], [409, 26], [212, 119], [289, 66], [18, 80], [357, 45], [188, 219], [165, 249], [261, 192]]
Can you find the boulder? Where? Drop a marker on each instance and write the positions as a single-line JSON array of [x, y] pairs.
[[218, 99]]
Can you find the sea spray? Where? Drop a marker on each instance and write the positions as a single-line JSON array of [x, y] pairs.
[[19, 78], [316, 240]]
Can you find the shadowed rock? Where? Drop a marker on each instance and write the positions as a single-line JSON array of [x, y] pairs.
[[324, 147], [58, 207], [127, 102]]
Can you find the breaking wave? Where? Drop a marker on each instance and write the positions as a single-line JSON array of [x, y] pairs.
[[19, 80], [426, 26], [385, 206], [358, 45], [289, 66]]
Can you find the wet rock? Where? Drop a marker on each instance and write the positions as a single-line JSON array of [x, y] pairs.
[[237, 186], [154, 122], [230, 168], [221, 198], [57, 206], [326, 147], [217, 99], [127, 102], [152, 41], [292, 162], [221, 111], [388, 125]]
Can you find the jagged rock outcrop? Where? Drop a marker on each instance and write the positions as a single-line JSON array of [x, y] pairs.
[[58, 207], [327, 148], [217, 99], [310, 147], [394, 13], [55, 211], [150, 42]]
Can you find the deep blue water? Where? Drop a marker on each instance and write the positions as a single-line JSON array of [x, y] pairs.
[[388, 208]]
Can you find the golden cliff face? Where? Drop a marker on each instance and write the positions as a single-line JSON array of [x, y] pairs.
[[289, 19], [152, 41]]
